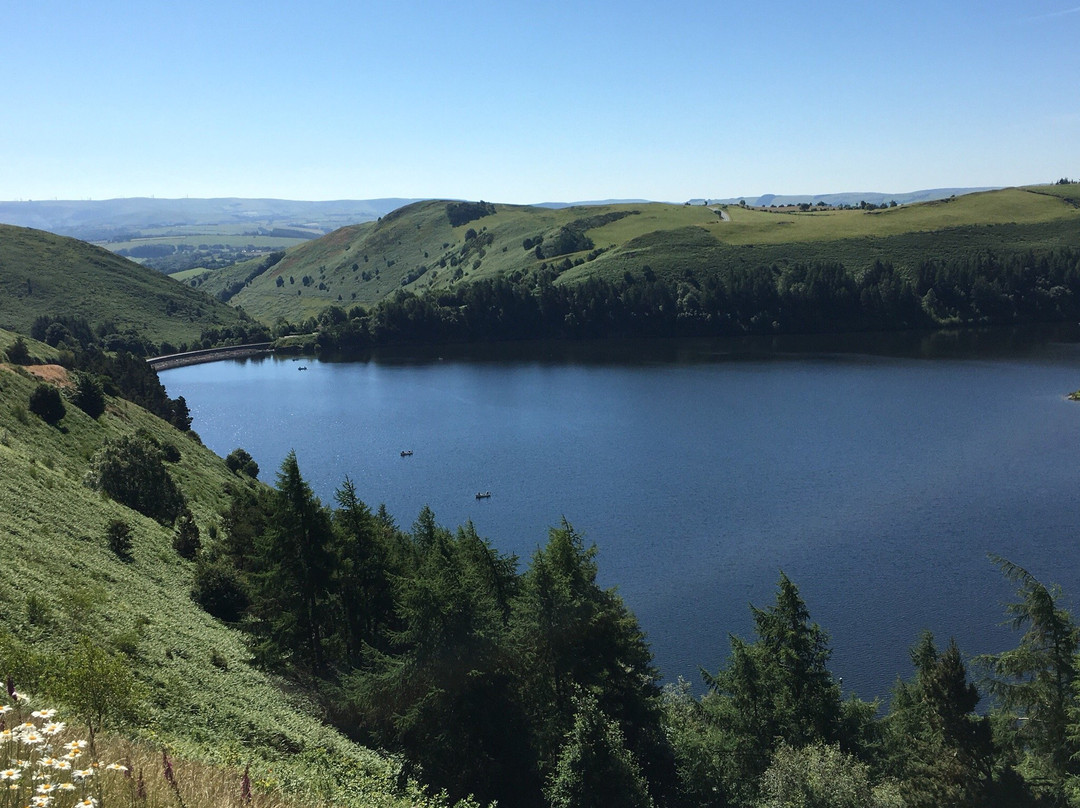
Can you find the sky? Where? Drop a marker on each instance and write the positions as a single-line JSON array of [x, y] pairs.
[[523, 102]]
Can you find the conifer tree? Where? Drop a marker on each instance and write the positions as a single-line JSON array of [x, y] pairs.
[[1036, 680], [293, 576]]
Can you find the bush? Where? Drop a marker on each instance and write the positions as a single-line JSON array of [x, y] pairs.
[[130, 470], [239, 461], [186, 540], [18, 353], [219, 591], [88, 395], [118, 537], [97, 685], [47, 404]]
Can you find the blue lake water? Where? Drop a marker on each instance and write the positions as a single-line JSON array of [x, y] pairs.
[[877, 473]]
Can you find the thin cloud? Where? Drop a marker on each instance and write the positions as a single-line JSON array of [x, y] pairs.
[[1052, 14]]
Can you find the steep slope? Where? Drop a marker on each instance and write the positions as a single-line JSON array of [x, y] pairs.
[[45, 274], [435, 244], [195, 688]]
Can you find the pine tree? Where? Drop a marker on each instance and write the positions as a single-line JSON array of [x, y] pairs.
[[293, 576], [1036, 679]]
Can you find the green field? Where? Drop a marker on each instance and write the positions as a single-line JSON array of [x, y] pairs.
[[418, 248]]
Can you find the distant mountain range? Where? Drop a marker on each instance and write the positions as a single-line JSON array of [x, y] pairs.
[[97, 220], [101, 220], [852, 198]]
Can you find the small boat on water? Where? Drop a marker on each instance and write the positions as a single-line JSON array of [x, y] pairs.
[[302, 367], [406, 453], [483, 495]]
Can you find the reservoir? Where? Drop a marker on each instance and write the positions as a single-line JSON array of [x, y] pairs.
[[876, 472]]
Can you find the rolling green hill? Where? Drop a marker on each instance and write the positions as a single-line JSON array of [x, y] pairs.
[[419, 246], [46, 274], [194, 688]]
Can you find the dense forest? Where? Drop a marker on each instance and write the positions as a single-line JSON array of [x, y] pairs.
[[535, 686], [981, 289]]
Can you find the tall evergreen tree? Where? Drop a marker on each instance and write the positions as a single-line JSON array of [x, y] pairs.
[[937, 747], [445, 694], [775, 689], [1036, 680], [293, 579], [572, 635]]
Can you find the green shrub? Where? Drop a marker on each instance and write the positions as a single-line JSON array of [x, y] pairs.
[[239, 461], [130, 470], [47, 404], [18, 353], [96, 685], [186, 540], [118, 537], [88, 395], [219, 591]]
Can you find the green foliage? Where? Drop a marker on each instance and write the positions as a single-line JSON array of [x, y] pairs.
[[240, 462], [18, 353], [775, 689], [459, 213], [292, 575], [186, 540], [130, 470], [219, 590], [97, 686], [47, 404], [595, 769], [938, 748], [1036, 680], [118, 537], [88, 395], [822, 776]]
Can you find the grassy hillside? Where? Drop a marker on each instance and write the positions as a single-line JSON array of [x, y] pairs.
[[418, 246], [195, 690], [41, 273]]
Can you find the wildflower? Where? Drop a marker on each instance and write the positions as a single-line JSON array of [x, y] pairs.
[[82, 774], [10, 774], [5, 709], [62, 765], [40, 802], [46, 714], [47, 762], [74, 746], [33, 738], [67, 786], [116, 767], [6, 735], [89, 802], [54, 728]]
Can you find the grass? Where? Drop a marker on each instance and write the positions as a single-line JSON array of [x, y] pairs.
[[671, 239], [195, 689], [45, 274]]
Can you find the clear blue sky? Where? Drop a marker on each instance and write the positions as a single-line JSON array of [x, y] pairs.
[[534, 101]]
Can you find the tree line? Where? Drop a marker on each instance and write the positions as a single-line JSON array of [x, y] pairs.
[[533, 685], [987, 288]]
